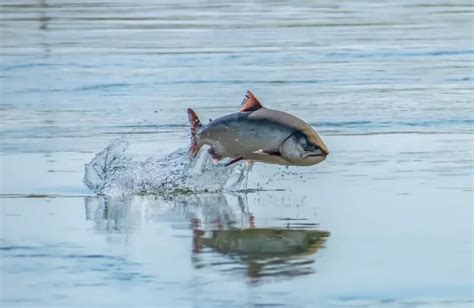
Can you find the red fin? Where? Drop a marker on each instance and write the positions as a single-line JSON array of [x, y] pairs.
[[195, 125], [250, 103], [194, 149]]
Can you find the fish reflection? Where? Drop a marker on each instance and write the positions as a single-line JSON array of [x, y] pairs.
[[225, 236], [266, 251]]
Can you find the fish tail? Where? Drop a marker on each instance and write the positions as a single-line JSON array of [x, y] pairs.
[[195, 125]]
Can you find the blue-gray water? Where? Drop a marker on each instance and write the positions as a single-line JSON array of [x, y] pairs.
[[385, 221]]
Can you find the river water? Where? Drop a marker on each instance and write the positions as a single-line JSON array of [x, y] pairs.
[[385, 221]]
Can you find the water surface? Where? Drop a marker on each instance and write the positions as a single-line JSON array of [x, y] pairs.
[[385, 221]]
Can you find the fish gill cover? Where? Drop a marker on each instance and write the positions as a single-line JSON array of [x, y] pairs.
[[116, 171]]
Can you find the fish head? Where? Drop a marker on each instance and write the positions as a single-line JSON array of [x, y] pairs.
[[303, 149]]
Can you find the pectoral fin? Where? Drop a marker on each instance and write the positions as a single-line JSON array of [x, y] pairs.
[[234, 161]]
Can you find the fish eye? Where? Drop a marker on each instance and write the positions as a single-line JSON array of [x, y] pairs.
[[308, 147]]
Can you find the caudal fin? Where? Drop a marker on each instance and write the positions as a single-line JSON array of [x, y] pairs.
[[195, 125]]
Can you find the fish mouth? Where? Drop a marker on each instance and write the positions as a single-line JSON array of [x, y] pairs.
[[318, 153]]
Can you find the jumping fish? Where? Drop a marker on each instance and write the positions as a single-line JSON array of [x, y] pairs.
[[258, 134]]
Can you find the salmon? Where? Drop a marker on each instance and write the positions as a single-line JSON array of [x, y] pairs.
[[258, 134]]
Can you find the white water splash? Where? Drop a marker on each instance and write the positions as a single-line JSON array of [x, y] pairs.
[[115, 171]]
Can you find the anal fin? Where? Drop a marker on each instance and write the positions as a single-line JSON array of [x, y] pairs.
[[215, 156]]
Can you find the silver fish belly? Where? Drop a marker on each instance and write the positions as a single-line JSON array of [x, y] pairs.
[[238, 135]]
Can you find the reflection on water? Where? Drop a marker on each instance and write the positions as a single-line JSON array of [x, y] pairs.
[[222, 226], [264, 252]]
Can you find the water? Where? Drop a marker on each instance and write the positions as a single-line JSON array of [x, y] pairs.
[[115, 172], [385, 221]]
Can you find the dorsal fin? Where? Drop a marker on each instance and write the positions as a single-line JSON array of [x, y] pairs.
[[250, 103]]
